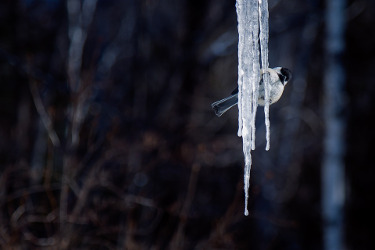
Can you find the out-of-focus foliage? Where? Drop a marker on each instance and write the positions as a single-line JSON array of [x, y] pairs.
[[107, 139]]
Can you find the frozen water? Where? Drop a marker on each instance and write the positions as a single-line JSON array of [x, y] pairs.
[[252, 17], [263, 40]]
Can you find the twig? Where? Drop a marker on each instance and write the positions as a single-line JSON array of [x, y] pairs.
[[47, 122], [177, 240]]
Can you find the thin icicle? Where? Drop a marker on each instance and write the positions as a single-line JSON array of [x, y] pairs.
[[247, 182], [263, 39], [241, 38]]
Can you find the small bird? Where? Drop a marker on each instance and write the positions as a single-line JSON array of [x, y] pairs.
[[279, 77]]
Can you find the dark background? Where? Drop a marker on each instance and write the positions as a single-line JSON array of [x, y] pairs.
[[109, 142]]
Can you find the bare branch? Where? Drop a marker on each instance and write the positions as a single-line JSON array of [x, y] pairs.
[[47, 122]]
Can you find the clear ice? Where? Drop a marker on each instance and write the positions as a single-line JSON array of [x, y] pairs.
[[252, 17]]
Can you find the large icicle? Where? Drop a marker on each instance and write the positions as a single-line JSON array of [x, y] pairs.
[[252, 16]]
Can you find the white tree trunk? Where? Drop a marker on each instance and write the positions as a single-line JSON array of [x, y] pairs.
[[333, 176]]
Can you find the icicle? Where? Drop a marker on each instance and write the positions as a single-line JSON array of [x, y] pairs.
[[263, 40], [252, 15]]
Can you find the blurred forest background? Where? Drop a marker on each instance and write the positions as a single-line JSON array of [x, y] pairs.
[[108, 140]]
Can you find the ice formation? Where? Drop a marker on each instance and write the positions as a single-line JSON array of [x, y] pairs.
[[252, 17]]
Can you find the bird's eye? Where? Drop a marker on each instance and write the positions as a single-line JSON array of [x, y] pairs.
[[286, 73], [282, 78]]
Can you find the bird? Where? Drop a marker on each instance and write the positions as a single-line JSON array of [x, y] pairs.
[[279, 77]]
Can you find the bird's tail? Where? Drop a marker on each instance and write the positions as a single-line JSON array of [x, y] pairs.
[[220, 107]]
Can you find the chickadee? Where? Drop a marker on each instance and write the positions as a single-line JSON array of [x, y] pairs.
[[279, 77]]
